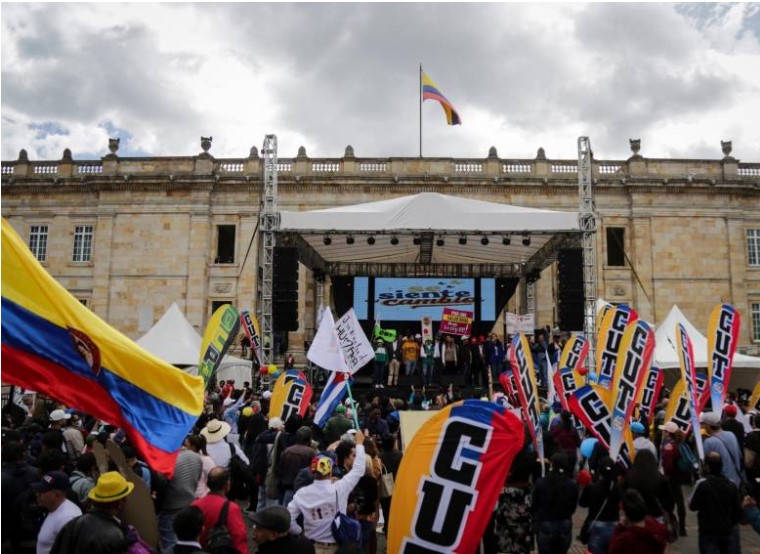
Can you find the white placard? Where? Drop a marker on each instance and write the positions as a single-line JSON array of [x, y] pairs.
[[356, 348]]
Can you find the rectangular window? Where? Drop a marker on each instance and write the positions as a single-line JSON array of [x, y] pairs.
[[216, 304], [83, 301], [755, 314], [616, 246], [38, 237], [753, 247], [225, 244], [82, 243]]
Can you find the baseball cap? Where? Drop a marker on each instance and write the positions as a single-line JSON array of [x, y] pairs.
[[340, 408], [730, 410], [266, 395], [275, 518], [53, 480], [59, 415], [669, 427], [710, 418], [638, 427]]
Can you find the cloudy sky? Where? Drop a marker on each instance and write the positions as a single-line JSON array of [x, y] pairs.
[[680, 77]]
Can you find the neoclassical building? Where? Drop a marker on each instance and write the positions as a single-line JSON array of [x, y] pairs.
[[130, 236]]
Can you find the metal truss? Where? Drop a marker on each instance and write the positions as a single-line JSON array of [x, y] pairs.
[[587, 224], [270, 221]]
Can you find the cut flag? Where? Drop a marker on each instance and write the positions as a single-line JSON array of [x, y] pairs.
[[53, 344], [431, 92]]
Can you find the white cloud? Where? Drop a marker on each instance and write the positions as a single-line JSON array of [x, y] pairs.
[[326, 75]]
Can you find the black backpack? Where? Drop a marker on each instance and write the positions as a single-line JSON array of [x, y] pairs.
[[240, 476], [219, 540]]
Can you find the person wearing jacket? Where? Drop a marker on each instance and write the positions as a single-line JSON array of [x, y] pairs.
[[99, 530], [494, 356], [555, 498], [602, 498], [672, 437], [637, 533]]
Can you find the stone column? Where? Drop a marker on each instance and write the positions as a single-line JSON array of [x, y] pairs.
[[101, 272], [198, 256], [641, 258]]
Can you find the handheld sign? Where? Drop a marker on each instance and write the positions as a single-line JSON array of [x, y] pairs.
[[686, 360], [357, 350], [251, 327]]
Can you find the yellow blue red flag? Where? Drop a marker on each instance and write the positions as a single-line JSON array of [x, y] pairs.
[[450, 478], [53, 344], [430, 91]]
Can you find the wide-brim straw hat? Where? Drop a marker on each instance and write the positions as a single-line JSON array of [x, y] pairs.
[[111, 486], [215, 431]]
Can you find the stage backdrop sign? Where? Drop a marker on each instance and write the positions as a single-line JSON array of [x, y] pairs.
[[456, 322]]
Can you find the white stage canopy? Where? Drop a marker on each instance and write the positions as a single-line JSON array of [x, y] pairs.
[[430, 217], [173, 339]]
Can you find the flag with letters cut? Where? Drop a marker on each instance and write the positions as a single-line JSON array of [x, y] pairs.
[[430, 91], [722, 338], [450, 478], [611, 330], [291, 395], [688, 374], [51, 343], [525, 379]]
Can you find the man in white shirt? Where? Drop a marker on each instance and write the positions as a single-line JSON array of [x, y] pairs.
[[640, 439], [320, 502], [51, 495]]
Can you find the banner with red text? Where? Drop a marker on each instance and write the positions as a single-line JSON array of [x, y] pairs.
[[722, 338], [456, 322]]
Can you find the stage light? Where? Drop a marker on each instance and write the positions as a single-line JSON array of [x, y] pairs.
[[370, 240], [394, 240], [417, 241], [439, 242], [349, 239], [506, 241], [327, 240], [526, 240], [484, 241], [463, 240]]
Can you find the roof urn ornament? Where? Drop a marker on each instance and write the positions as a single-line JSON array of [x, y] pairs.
[[113, 145], [726, 146], [635, 146], [206, 143]]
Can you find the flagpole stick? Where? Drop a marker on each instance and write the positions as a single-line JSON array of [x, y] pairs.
[[353, 404], [419, 92]]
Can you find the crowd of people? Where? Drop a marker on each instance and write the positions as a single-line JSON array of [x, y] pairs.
[[278, 485]]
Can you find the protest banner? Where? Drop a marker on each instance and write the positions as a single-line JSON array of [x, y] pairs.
[[722, 338], [291, 395], [221, 330], [252, 330], [450, 478], [525, 380], [456, 322], [650, 391], [632, 364], [686, 361], [610, 334]]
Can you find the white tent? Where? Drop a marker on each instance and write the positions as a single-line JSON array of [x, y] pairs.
[[437, 214], [173, 339], [666, 355]]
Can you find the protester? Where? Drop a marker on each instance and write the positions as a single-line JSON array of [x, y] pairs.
[[555, 498], [179, 493], [84, 477], [319, 503], [566, 437], [211, 505], [637, 533], [672, 439], [410, 352], [292, 460], [188, 526], [645, 477], [731, 424], [752, 456], [337, 425], [217, 447], [602, 498], [51, 495], [381, 360], [197, 443], [271, 531], [716, 499], [99, 530], [641, 440], [725, 444]]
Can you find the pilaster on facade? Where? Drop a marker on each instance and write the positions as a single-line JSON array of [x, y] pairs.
[[103, 249]]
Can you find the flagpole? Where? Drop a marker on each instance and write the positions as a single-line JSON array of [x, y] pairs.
[[353, 404], [419, 91]]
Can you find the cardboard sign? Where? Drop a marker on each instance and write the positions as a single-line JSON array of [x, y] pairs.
[[353, 343]]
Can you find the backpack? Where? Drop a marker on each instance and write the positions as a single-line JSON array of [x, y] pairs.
[[345, 529], [687, 461], [219, 540], [240, 476]]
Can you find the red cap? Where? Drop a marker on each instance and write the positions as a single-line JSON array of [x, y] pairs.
[[730, 410], [583, 478]]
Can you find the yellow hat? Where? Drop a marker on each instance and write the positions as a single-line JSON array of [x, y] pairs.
[[111, 486], [247, 411]]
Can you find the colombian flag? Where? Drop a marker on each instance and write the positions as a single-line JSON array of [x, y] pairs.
[[431, 92], [53, 344]]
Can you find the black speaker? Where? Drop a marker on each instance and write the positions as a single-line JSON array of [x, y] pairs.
[[285, 289], [571, 299]]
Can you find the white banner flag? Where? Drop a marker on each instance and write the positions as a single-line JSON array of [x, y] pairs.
[[356, 348], [324, 350]]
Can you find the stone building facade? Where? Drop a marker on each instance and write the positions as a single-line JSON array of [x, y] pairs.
[[130, 236]]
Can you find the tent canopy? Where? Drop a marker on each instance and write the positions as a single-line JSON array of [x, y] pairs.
[[173, 339], [429, 228], [666, 355]]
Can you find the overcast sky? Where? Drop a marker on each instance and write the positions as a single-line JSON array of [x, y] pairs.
[[680, 77]]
